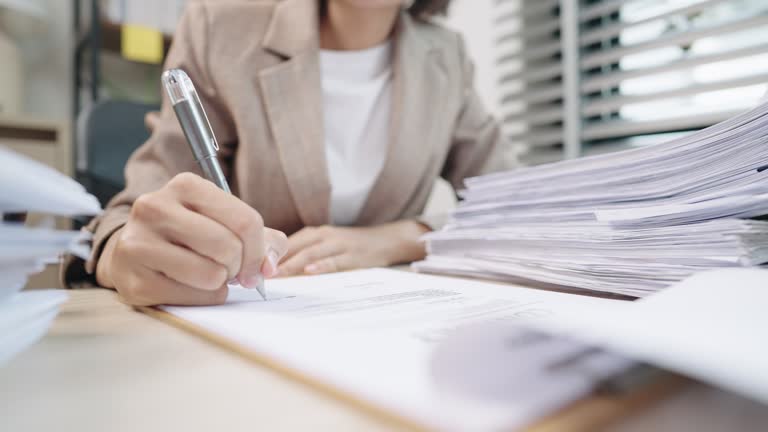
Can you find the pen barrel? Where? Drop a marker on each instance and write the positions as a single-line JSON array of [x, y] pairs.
[[202, 145], [212, 171]]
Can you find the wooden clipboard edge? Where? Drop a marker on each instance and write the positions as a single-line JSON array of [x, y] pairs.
[[287, 372], [588, 414], [599, 411]]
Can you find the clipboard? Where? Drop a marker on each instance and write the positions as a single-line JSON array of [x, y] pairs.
[[596, 411]]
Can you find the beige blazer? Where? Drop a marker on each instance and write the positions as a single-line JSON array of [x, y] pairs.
[[256, 67]]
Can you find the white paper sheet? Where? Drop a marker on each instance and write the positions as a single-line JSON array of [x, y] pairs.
[[25, 318], [711, 326], [371, 334], [28, 185]]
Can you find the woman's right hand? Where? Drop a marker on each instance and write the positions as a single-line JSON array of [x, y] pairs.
[[182, 244]]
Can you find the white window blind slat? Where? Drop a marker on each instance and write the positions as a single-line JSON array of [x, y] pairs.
[[545, 28], [540, 136], [614, 30], [600, 9], [614, 103], [545, 72], [530, 96], [629, 68], [602, 81], [605, 130], [682, 38], [536, 117]]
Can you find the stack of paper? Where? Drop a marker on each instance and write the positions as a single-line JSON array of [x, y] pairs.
[[26, 185], [630, 222]]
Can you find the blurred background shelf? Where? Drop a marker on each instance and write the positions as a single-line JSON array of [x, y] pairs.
[[111, 93], [98, 36]]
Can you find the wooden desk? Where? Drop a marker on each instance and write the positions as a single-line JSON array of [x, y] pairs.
[[104, 366]]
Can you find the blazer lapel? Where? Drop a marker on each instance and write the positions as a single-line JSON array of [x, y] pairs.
[[292, 95], [416, 108]]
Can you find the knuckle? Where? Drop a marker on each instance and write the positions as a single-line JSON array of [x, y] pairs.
[[183, 182], [146, 207], [246, 222], [130, 245]]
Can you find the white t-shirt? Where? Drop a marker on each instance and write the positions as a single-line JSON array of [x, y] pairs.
[[357, 96]]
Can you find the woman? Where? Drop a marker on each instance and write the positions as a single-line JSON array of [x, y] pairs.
[[334, 118]]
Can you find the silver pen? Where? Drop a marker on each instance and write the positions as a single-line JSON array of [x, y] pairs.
[[197, 129]]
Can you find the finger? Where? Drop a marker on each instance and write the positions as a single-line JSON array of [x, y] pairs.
[[154, 288], [277, 246], [204, 197], [302, 239], [202, 235], [296, 264], [186, 267], [325, 265]]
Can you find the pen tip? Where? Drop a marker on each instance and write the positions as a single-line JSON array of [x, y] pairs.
[[262, 291]]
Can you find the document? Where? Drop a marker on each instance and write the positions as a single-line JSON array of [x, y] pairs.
[[711, 327], [372, 333], [632, 222]]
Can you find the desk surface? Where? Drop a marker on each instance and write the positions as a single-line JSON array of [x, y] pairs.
[[104, 366]]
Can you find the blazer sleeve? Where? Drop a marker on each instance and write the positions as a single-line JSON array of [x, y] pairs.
[[166, 152], [478, 146]]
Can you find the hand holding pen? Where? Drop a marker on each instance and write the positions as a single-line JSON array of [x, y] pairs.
[[182, 243]]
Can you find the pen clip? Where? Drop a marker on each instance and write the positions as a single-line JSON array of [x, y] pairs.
[[199, 106]]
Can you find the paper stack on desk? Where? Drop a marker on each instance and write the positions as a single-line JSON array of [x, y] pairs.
[[630, 222], [26, 185]]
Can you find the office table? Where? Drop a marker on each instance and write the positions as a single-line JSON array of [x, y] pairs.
[[106, 367]]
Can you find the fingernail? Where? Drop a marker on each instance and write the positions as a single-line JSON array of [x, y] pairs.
[[312, 268], [270, 268], [252, 282]]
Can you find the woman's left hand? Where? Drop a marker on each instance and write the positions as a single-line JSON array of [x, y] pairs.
[[328, 249]]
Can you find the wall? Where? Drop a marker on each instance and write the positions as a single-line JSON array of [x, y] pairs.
[[47, 63], [474, 20]]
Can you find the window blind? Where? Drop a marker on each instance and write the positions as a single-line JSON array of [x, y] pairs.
[[578, 77]]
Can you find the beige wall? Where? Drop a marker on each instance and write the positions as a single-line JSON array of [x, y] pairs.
[[474, 19], [47, 63]]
